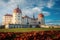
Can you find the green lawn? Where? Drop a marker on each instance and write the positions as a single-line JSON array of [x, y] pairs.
[[27, 29]]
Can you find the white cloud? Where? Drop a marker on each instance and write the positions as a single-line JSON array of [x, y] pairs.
[[27, 8], [27, 12], [23, 3], [37, 9], [30, 11], [46, 13], [50, 3]]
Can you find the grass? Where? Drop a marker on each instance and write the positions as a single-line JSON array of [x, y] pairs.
[[27, 29]]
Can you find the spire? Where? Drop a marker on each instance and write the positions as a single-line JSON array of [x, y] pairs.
[[17, 6], [17, 10]]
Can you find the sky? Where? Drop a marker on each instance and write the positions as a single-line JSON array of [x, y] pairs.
[[50, 9]]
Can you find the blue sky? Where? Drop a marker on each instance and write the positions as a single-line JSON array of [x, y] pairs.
[[50, 8]]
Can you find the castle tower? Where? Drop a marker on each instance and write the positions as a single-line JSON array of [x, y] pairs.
[[17, 16], [41, 19]]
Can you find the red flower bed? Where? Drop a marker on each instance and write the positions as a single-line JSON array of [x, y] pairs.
[[41, 35]]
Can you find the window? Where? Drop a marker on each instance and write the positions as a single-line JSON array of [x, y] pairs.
[[39, 23]]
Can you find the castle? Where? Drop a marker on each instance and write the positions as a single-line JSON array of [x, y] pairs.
[[17, 20]]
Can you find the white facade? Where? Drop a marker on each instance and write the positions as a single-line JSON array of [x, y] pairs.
[[28, 20], [17, 17], [34, 22], [24, 20], [7, 19]]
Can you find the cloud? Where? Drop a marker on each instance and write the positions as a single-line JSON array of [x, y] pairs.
[[28, 7], [24, 3], [50, 4], [46, 13], [27, 12], [31, 11], [37, 9]]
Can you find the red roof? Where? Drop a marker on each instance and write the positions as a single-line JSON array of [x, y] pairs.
[[17, 10], [8, 15], [41, 15]]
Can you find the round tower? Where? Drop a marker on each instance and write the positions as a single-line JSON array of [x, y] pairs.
[[17, 16], [41, 19]]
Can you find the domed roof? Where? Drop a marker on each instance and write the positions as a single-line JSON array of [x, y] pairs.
[[17, 10], [41, 15]]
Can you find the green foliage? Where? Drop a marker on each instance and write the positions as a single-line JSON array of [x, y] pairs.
[[27, 29]]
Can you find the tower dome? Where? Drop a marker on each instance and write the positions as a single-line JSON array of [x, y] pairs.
[[41, 15], [17, 16], [17, 10]]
